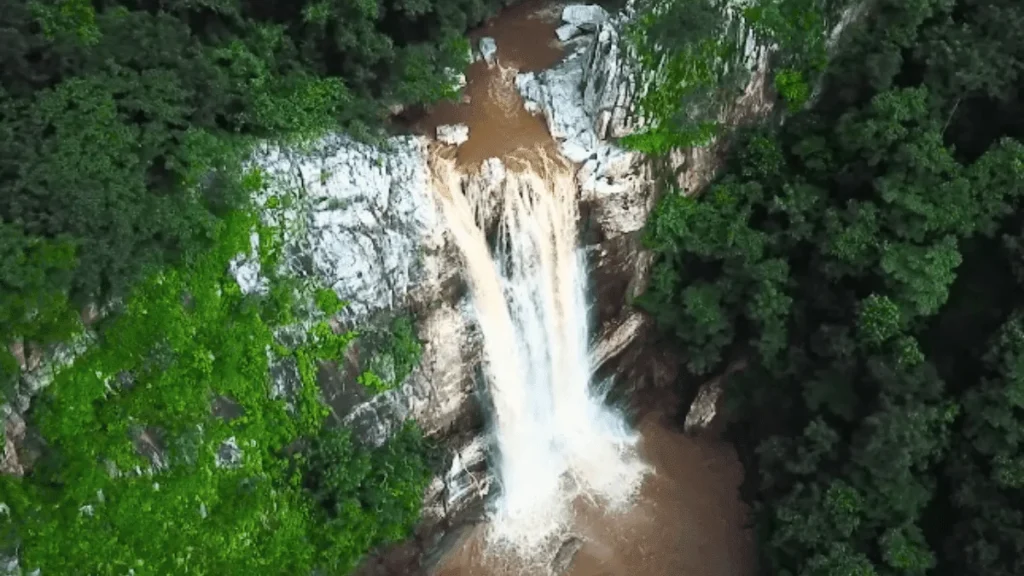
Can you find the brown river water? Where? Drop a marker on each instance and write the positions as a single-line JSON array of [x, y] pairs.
[[688, 519], [498, 123]]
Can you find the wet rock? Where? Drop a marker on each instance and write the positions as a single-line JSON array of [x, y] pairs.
[[567, 32], [705, 406], [492, 173], [452, 540], [14, 434], [453, 134], [565, 555], [586, 17], [574, 152], [580, 99], [467, 479], [489, 50]]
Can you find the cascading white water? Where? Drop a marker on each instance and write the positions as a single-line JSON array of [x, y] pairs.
[[555, 437]]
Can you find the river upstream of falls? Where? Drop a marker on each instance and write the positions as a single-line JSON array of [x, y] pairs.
[[644, 502]]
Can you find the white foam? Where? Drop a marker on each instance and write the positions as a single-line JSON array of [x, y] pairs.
[[555, 436]]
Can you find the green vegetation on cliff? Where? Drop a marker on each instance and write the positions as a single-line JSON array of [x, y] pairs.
[[163, 451], [124, 125], [694, 58], [864, 260]]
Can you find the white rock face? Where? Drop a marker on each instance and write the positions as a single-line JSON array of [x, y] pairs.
[[567, 32], [453, 134], [489, 50], [574, 152], [579, 98], [586, 17], [246, 269], [359, 218]]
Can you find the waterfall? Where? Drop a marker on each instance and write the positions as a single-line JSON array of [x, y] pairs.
[[556, 439]]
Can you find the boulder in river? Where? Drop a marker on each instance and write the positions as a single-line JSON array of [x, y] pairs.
[[489, 50], [586, 17], [453, 134], [565, 555]]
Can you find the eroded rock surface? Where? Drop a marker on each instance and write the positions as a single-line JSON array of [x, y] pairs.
[[452, 134], [586, 17], [357, 217], [14, 434]]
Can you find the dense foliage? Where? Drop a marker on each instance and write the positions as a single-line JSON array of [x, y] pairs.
[[864, 260]]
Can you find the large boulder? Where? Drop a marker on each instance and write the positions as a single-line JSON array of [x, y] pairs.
[[704, 408], [453, 134], [567, 32], [489, 50], [586, 17], [565, 555]]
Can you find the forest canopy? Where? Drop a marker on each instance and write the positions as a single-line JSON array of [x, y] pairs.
[[863, 260]]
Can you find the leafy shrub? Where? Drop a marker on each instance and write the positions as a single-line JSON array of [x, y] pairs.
[[367, 497], [392, 356]]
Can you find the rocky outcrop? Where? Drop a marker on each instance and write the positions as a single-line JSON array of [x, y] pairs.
[[13, 435], [489, 50], [355, 218], [453, 134], [704, 407]]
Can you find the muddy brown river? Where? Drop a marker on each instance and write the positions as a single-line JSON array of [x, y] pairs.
[[688, 519], [491, 107]]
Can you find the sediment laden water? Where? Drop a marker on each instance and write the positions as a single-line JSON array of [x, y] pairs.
[[555, 437]]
